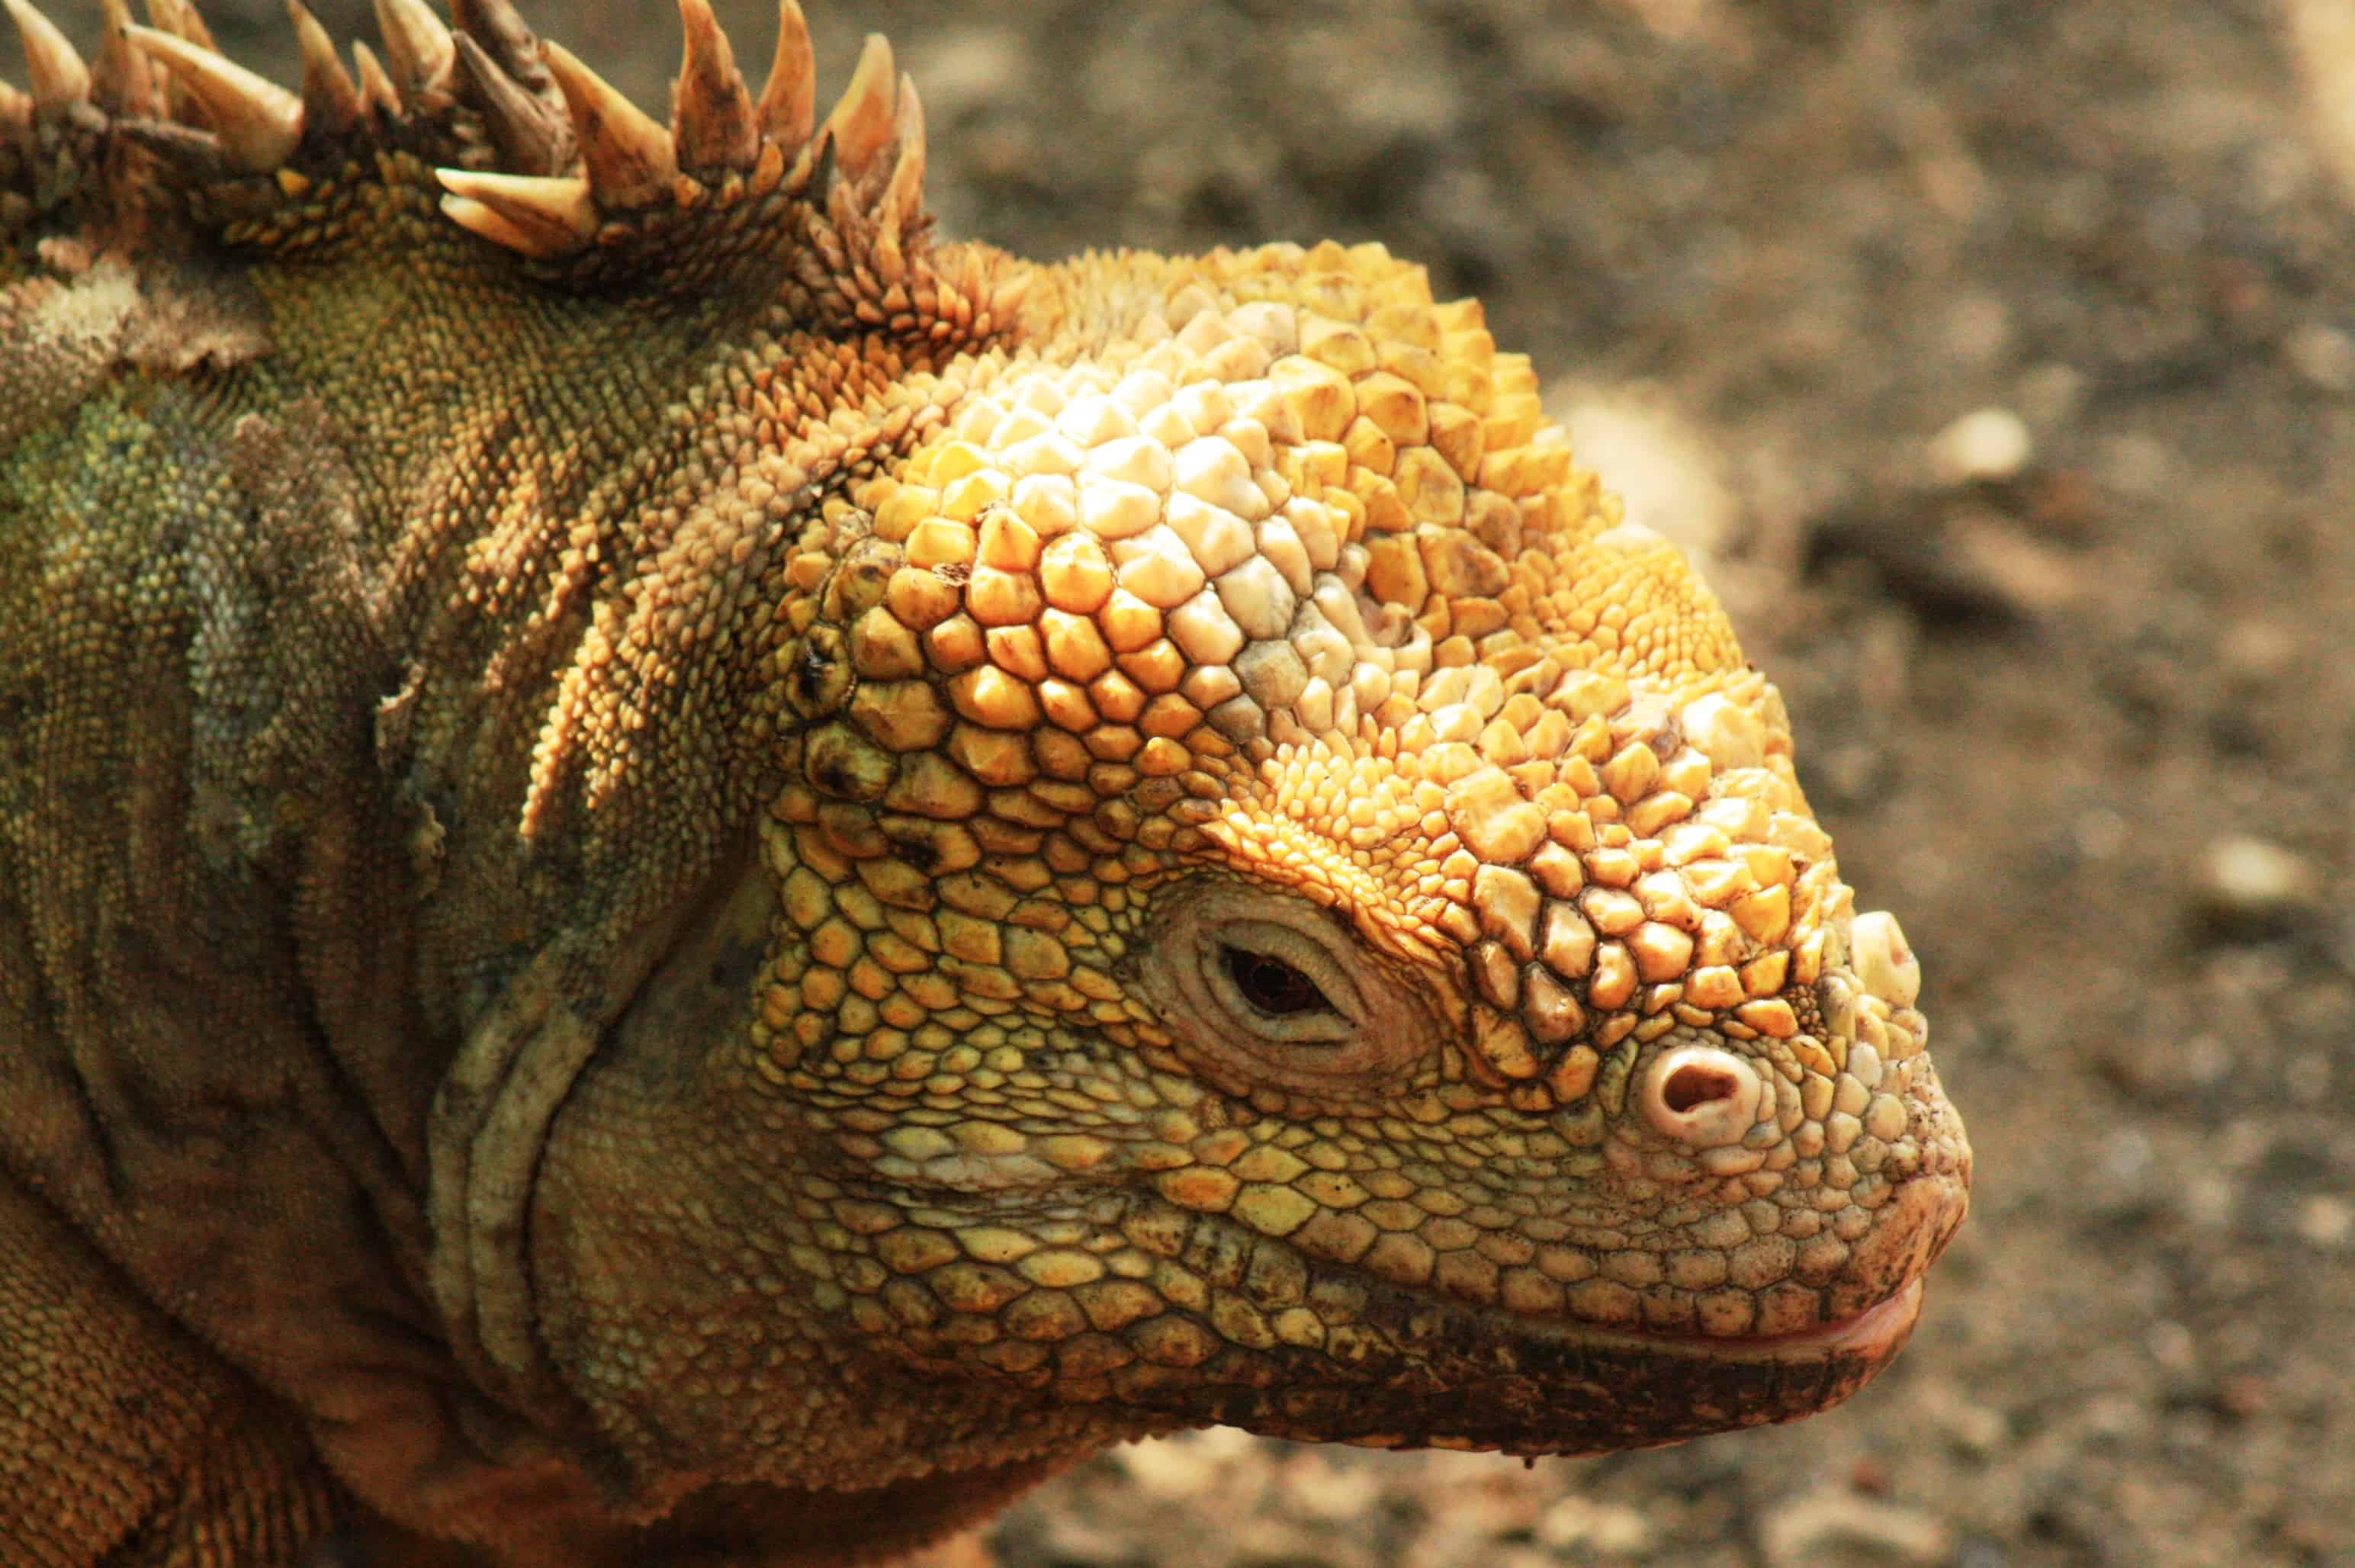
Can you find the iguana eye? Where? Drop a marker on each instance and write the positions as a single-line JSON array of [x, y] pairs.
[[1271, 985], [1261, 985]]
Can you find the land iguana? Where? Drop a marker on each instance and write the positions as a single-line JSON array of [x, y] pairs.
[[685, 875]]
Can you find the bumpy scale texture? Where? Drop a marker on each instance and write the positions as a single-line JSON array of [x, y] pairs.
[[685, 875]]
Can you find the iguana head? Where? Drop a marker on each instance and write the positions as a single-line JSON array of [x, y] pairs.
[[1306, 919], [1256, 897]]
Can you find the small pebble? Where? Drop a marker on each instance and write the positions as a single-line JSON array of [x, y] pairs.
[[1189, 1464], [1585, 1525], [1824, 1525], [1977, 1429], [2324, 356], [1984, 447], [2326, 1224], [2247, 882]]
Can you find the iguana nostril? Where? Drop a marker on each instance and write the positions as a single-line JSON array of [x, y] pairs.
[[1701, 1095]]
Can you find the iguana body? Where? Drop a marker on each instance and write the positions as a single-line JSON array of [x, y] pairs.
[[683, 875]]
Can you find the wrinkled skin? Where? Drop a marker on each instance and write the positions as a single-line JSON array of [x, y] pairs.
[[666, 902]]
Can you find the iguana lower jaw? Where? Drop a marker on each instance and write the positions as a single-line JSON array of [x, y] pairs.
[[1477, 1381]]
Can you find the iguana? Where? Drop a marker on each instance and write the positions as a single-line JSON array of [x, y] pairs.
[[686, 876]]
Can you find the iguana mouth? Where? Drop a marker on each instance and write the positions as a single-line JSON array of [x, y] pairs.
[[1469, 1378], [1600, 1389], [1878, 1332], [1409, 1368]]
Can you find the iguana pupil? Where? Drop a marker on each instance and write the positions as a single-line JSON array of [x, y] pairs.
[[1272, 986]]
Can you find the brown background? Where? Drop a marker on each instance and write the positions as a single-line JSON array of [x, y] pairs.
[[1765, 254]]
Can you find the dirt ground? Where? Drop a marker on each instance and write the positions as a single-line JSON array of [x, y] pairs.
[[1999, 354]]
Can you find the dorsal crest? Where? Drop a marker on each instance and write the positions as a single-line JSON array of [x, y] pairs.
[[520, 143]]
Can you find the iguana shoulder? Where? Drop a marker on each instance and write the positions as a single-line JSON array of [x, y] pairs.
[[683, 871]]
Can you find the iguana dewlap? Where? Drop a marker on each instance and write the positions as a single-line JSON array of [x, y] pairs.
[[686, 875]]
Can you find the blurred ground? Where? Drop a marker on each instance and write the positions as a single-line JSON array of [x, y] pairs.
[[2073, 676]]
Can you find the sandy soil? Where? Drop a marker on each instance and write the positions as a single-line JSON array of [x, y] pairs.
[[2000, 353]]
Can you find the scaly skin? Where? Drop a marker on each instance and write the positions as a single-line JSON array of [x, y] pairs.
[[719, 892]]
